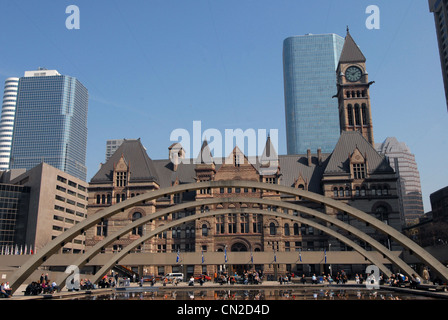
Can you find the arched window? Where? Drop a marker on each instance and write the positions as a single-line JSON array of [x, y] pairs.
[[385, 190], [350, 114], [382, 213], [335, 192], [348, 94], [296, 229], [357, 115], [379, 191], [347, 192], [272, 229], [358, 93], [363, 191], [303, 229], [341, 192], [357, 192], [204, 230], [364, 114], [286, 229], [109, 198], [103, 199], [139, 230], [98, 199]]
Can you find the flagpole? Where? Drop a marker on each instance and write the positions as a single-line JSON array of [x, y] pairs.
[[225, 258]]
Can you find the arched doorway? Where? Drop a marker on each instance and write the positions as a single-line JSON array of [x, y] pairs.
[[238, 247], [240, 269]]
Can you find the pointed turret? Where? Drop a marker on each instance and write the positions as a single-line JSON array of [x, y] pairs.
[[350, 51]]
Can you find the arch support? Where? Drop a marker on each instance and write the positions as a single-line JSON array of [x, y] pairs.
[[96, 249], [52, 247], [117, 257]]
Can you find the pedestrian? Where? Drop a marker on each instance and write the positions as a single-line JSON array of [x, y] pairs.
[[5, 291], [415, 281], [54, 286], [425, 275]]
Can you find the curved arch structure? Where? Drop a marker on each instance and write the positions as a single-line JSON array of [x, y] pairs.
[[52, 247], [85, 258], [108, 265]]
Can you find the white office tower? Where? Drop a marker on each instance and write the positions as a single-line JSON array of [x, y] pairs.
[[7, 120], [411, 202], [112, 146]]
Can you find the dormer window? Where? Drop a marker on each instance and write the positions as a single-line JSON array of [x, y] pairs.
[[359, 170], [121, 178], [358, 165]]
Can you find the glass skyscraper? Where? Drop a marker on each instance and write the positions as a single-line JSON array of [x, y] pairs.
[[50, 123], [309, 71]]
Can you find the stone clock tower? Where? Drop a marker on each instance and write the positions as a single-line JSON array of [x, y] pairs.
[[353, 91]]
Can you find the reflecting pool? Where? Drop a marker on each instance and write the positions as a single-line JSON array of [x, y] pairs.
[[258, 294]]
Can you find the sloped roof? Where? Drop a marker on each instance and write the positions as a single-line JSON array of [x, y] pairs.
[[141, 166], [162, 171], [350, 51], [347, 143], [293, 166]]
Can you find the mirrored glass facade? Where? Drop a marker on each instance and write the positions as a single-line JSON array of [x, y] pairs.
[[51, 124], [309, 70]]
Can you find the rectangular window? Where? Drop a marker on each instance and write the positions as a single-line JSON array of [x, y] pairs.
[[359, 171], [121, 179]]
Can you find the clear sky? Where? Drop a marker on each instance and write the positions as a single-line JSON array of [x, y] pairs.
[[155, 66]]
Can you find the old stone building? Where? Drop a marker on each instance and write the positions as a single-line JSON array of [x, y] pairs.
[[354, 173]]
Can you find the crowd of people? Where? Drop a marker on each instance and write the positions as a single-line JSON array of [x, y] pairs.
[[340, 278], [43, 285], [247, 277]]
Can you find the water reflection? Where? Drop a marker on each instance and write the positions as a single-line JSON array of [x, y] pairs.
[[258, 294]]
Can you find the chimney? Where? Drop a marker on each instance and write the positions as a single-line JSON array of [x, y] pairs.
[[308, 155], [176, 153]]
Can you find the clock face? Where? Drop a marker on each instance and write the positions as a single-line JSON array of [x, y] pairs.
[[353, 74]]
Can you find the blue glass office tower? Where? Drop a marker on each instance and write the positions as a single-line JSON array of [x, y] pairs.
[[309, 71], [50, 123]]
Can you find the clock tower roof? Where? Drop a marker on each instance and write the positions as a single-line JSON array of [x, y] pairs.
[[350, 51]]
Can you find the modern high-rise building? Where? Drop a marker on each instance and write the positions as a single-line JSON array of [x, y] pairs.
[[403, 162], [7, 121], [50, 123], [38, 205], [309, 71], [440, 10], [112, 146]]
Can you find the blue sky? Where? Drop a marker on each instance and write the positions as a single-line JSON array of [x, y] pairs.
[[154, 66]]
